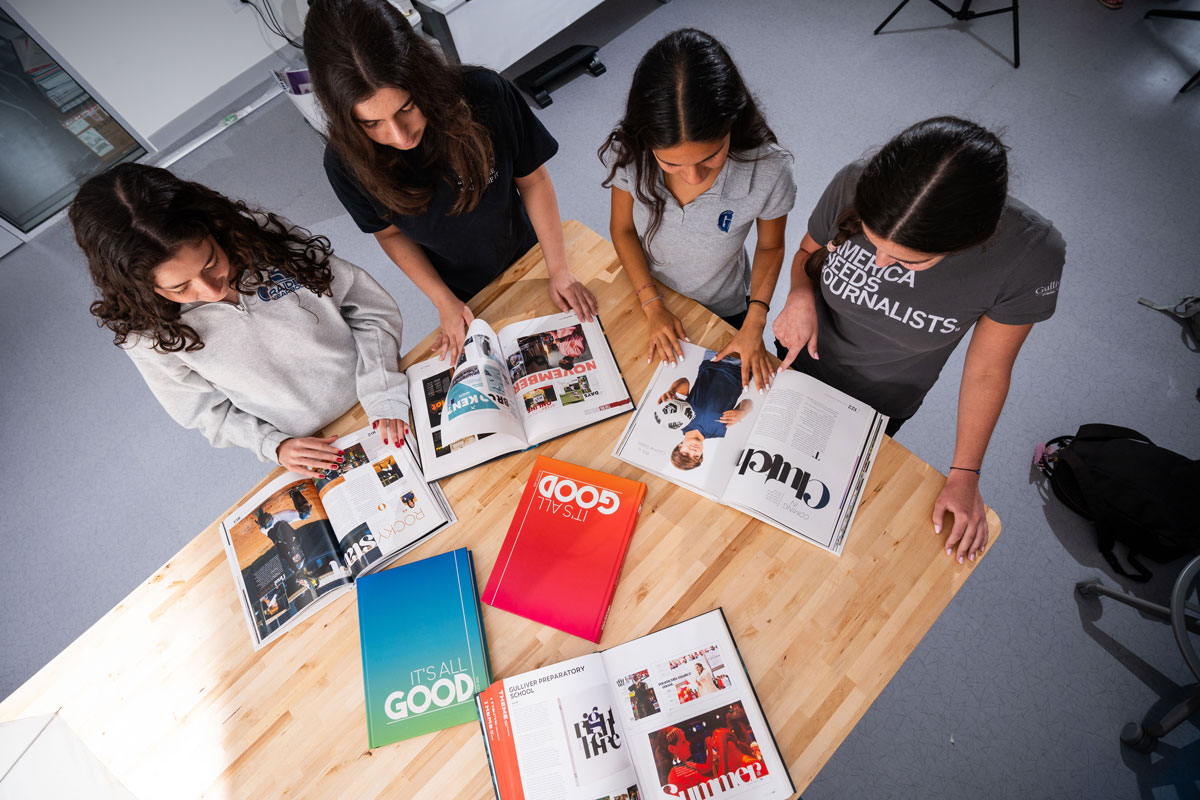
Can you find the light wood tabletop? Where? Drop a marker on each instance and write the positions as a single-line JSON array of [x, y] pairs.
[[168, 692]]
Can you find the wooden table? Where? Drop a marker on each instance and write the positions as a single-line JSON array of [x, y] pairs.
[[167, 691]]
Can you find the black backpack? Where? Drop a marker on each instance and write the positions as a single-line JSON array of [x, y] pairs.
[[1133, 491]]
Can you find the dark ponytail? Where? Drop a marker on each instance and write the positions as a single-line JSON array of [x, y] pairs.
[[685, 89], [938, 187]]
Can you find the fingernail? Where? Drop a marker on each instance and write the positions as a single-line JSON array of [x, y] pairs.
[[972, 556], [938, 529], [341, 452], [374, 425], [385, 441], [960, 559], [333, 467], [340, 459], [949, 551]]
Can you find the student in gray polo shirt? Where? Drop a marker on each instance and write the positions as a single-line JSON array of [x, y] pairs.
[[904, 254], [692, 165]]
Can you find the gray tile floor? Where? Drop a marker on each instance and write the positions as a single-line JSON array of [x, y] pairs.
[[1019, 690]]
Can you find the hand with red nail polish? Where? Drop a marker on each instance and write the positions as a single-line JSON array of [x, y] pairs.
[[393, 430]]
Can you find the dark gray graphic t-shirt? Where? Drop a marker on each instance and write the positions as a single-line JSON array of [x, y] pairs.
[[885, 333]]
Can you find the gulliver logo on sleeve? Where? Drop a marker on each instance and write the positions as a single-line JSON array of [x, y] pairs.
[[284, 285], [724, 219]]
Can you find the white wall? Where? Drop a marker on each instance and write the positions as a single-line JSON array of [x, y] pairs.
[[153, 61]]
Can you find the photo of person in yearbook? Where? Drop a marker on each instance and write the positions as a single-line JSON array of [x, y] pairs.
[[714, 401]]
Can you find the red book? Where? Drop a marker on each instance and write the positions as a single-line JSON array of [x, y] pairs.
[[564, 549]]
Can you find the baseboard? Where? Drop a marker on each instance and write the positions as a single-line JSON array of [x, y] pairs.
[[232, 96]]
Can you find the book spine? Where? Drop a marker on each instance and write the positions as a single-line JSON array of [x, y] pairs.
[[606, 606], [362, 645], [485, 713], [487, 658]]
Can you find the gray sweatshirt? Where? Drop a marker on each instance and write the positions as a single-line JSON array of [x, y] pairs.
[[282, 363]]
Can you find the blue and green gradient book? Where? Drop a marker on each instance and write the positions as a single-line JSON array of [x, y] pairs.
[[423, 652]]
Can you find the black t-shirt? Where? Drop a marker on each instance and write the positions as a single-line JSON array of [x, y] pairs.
[[467, 250]]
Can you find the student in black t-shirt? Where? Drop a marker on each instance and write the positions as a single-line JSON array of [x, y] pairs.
[[445, 165], [904, 254]]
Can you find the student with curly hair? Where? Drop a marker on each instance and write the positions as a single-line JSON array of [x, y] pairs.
[[904, 254], [693, 166], [444, 165], [245, 327]]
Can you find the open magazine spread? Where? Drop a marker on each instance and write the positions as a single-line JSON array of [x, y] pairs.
[[529, 382], [671, 714], [298, 541], [796, 457]]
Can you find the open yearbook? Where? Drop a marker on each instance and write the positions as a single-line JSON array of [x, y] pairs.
[[796, 457], [671, 714], [299, 542], [529, 382]]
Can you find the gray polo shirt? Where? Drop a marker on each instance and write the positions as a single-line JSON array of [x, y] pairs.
[[699, 249]]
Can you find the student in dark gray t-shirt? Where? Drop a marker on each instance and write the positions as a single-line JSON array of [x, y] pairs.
[[692, 166], [904, 254]]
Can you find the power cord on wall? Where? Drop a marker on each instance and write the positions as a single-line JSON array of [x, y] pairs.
[[272, 23]]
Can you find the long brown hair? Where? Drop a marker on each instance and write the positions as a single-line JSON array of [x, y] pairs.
[[133, 217], [937, 187], [685, 89], [357, 47]]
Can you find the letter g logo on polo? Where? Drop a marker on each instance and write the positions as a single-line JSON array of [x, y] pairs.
[[724, 219]]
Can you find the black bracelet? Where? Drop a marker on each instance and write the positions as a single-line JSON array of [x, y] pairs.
[[761, 303], [965, 469]]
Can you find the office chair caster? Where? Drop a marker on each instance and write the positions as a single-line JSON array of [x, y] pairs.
[[1088, 588], [1135, 737]]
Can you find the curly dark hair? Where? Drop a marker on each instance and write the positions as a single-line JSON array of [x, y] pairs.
[[133, 217], [685, 89], [356, 48], [939, 186]]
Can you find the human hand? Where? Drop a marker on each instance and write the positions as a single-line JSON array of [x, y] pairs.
[[796, 325], [392, 430], [733, 415], [571, 295], [961, 498], [665, 332], [309, 456], [747, 345], [681, 386], [453, 318]]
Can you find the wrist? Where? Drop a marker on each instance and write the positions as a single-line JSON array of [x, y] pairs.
[[961, 474], [801, 291], [756, 314], [653, 305]]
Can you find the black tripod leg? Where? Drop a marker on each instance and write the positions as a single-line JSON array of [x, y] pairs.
[[895, 11], [1016, 38], [1187, 86]]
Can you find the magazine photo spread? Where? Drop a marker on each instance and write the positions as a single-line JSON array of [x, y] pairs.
[[298, 541], [796, 456], [670, 714], [513, 389]]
